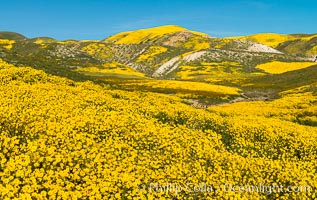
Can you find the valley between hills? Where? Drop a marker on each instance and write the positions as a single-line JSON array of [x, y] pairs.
[[106, 119]]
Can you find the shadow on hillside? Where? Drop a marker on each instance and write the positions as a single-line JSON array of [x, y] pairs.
[[286, 81]]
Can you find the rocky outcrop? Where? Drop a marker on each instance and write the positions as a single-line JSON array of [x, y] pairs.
[[172, 64], [194, 56], [256, 47], [167, 67]]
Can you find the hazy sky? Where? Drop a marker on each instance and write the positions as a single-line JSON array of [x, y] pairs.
[[97, 19]]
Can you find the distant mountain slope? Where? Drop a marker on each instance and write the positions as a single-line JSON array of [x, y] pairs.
[[270, 39], [287, 80], [297, 44], [165, 52], [161, 50], [11, 35], [149, 35]]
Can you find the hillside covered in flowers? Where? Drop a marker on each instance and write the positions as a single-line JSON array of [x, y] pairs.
[[158, 113], [65, 139]]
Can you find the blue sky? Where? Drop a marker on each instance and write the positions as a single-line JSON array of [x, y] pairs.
[[97, 19]]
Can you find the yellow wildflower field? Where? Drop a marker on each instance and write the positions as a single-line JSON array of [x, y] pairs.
[[277, 67], [7, 44], [136, 37], [205, 70], [97, 49], [150, 53], [186, 86], [61, 139], [197, 43], [270, 39], [108, 69]]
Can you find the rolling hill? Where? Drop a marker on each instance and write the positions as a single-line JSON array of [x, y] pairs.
[[108, 119], [11, 35], [296, 44], [156, 52], [165, 52]]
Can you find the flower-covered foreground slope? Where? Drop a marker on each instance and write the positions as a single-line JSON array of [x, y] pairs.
[[291, 105], [62, 139]]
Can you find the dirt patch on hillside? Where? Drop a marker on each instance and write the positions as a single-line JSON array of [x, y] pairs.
[[244, 97]]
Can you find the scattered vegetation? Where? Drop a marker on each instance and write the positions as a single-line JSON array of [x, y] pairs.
[[150, 53], [7, 44]]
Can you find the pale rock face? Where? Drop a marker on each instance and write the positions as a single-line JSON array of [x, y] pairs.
[[166, 67], [256, 47], [194, 56], [172, 64]]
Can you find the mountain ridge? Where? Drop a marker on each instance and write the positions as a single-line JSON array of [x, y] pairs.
[[166, 26], [164, 52], [297, 44]]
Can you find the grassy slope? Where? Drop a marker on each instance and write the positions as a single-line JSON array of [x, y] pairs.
[[287, 80], [11, 35]]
